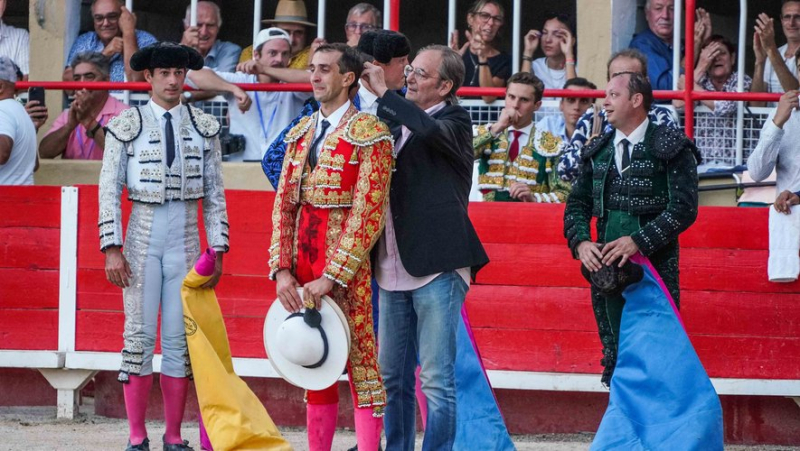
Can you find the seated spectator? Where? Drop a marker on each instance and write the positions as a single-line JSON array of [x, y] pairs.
[[219, 55], [361, 18], [591, 125], [14, 43], [115, 36], [558, 45], [715, 133], [776, 67], [485, 65], [18, 158], [77, 133], [655, 42], [572, 108], [516, 159], [273, 110], [291, 17]]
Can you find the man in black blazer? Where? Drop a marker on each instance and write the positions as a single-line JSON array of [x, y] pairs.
[[429, 249]]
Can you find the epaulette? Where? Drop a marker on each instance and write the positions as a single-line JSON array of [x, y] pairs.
[[667, 142], [595, 145], [126, 126], [299, 130], [547, 144], [365, 129], [206, 124]]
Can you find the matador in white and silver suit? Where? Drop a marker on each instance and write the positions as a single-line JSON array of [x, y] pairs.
[[168, 156]]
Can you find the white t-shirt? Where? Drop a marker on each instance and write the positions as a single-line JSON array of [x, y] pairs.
[[552, 78], [17, 125], [771, 78], [270, 113]]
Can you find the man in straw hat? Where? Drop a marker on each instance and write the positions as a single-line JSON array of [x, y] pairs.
[[168, 155], [291, 17], [329, 211]]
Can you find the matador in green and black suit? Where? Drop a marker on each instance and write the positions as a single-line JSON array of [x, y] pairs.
[[653, 202]]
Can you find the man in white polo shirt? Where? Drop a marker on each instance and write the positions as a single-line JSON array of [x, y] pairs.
[[17, 134], [271, 111]]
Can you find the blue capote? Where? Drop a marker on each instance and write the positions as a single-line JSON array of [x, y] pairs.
[[479, 423], [661, 397]]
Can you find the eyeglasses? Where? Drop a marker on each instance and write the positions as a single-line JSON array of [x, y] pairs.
[[362, 27], [790, 17], [89, 76], [484, 17], [110, 17], [418, 72]]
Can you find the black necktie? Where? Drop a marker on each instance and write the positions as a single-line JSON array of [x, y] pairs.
[[312, 152], [169, 136], [626, 158]]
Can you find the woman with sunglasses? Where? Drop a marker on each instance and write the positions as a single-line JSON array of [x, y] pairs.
[[558, 45], [485, 65]]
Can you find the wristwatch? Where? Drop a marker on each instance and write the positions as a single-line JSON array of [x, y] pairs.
[[90, 133]]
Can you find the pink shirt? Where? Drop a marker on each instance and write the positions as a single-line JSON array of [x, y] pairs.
[[390, 273], [80, 146]]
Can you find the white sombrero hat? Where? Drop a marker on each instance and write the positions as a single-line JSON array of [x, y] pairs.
[[306, 355]]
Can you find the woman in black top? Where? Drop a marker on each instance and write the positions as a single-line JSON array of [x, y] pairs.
[[485, 65]]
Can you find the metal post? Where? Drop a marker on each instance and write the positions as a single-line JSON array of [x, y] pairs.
[[451, 19], [394, 24], [515, 38], [256, 20], [689, 77], [321, 18], [126, 95], [676, 44], [387, 12], [740, 82]]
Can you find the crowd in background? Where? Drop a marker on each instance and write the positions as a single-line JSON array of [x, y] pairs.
[[283, 53]]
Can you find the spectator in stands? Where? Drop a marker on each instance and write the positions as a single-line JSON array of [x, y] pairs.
[[361, 18], [715, 133], [591, 126], [656, 41], [639, 181], [273, 110], [572, 109], [776, 68], [220, 55], [78, 131], [778, 148], [14, 43], [516, 158], [485, 65], [291, 17], [115, 36], [558, 45], [18, 158]]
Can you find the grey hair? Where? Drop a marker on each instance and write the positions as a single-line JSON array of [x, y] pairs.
[[452, 68], [363, 8], [97, 59], [187, 19]]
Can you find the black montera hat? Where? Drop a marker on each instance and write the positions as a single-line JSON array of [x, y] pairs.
[[383, 45], [612, 280], [167, 55]]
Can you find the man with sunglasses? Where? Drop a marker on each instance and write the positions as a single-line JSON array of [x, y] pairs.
[[115, 36], [429, 249]]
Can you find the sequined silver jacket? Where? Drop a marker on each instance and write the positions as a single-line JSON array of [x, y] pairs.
[[134, 157]]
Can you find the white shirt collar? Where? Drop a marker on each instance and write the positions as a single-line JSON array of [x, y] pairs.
[[367, 98], [526, 130], [434, 109], [334, 118], [636, 136], [176, 111]]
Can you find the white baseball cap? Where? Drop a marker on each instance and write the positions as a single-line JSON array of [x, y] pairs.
[[269, 34]]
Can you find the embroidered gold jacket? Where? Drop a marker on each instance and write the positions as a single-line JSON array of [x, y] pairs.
[[535, 165], [352, 173]]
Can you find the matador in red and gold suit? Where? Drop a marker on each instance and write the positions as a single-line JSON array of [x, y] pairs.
[[325, 222]]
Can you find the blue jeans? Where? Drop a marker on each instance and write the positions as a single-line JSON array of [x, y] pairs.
[[421, 322]]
